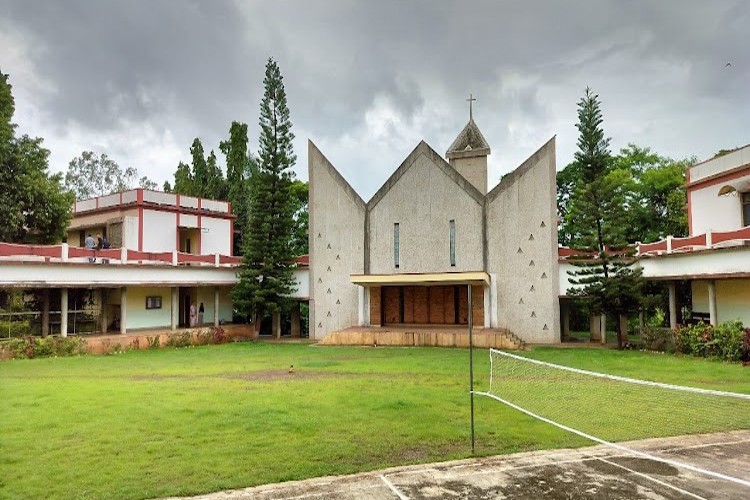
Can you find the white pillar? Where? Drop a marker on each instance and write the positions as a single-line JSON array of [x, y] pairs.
[[123, 255], [672, 305], [175, 259], [669, 244], [603, 319], [64, 252], [361, 306], [276, 325], [709, 239], [64, 312], [216, 306], [712, 302], [123, 310], [175, 306]]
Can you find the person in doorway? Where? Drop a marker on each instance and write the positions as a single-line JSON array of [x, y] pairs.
[[89, 244], [201, 310], [193, 315], [99, 242]]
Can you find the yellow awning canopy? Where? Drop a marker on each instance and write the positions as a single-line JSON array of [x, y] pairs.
[[421, 279]]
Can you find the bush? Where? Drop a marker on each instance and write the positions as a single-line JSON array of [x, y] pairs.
[[657, 339], [182, 339], [725, 341], [32, 347], [15, 328]]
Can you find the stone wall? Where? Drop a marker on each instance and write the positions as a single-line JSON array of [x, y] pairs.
[[522, 248]]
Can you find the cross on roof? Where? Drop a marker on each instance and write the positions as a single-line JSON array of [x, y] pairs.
[[471, 100]]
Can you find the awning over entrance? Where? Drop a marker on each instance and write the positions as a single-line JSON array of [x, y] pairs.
[[421, 279]]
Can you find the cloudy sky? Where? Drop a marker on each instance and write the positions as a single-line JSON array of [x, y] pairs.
[[367, 80]]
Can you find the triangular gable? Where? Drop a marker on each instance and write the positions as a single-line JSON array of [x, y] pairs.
[[512, 177], [313, 151], [424, 149]]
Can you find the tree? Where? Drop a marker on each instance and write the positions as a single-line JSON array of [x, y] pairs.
[[597, 217], [265, 276], [205, 179], [92, 175], [241, 166], [299, 241], [34, 205], [183, 179]]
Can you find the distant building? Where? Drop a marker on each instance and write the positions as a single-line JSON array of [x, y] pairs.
[[408, 255], [715, 257]]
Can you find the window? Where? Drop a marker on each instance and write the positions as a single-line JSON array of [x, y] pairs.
[[395, 245], [453, 242], [153, 302], [746, 209]]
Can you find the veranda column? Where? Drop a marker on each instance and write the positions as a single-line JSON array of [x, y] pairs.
[[104, 319], [296, 319], [175, 307], [672, 305], [565, 306], [276, 324], [64, 312], [216, 306], [45, 312], [123, 310], [712, 302], [603, 327]]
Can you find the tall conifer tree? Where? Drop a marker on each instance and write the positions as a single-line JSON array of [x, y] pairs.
[[597, 216], [266, 271]]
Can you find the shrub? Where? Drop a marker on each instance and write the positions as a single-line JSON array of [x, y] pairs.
[[725, 341], [204, 336], [32, 347], [15, 328], [657, 339], [182, 339]]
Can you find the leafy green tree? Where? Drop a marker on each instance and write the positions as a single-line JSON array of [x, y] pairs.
[[167, 187], [205, 179], [183, 180], [241, 166], [34, 205], [299, 240], [92, 175], [265, 275], [597, 218]]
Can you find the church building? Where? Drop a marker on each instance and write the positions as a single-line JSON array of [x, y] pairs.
[[408, 256]]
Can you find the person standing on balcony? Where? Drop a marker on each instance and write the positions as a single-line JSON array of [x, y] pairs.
[[193, 314], [89, 244]]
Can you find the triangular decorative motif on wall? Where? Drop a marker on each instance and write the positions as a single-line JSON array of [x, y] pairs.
[[542, 224], [533, 314], [320, 280], [519, 250], [329, 246], [320, 325], [531, 237], [531, 264], [544, 276], [329, 268], [329, 291], [329, 314], [531, 289], [319, 235], [545, 327], [338, 302], [338, 257], [520, 301]]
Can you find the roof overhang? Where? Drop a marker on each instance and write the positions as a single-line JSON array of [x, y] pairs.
[[421, 279]]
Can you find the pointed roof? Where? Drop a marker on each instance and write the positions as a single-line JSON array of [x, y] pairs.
[[470, 142]]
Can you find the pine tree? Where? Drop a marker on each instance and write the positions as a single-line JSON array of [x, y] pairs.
[[268, 258], [597, 218]]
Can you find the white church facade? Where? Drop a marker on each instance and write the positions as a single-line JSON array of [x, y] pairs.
[[409, 255]]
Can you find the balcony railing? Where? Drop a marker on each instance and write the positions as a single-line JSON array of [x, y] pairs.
[[719, 239], [113, 256]]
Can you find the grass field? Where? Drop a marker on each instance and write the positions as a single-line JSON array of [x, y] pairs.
[[176, 422]]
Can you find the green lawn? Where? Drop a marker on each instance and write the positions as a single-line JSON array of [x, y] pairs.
[[178, 422]]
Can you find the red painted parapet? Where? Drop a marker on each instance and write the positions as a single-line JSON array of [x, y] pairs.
[[135, 255], [14, 249], [738, 234], [230, 259], [659, 246], [186, 258], [689, 242]]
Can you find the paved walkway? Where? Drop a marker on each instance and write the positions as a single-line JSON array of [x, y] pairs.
[[587, 473]]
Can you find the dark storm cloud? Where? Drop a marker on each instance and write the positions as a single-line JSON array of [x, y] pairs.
[[369, 79]]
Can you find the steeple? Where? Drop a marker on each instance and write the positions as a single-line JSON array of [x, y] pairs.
[[468, 153]]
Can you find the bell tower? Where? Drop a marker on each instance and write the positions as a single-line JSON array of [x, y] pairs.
[[468, 153]]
